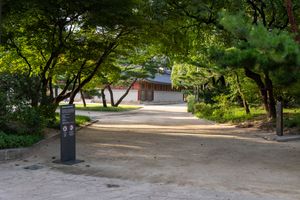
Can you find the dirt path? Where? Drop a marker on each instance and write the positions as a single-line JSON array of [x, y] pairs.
[[162, 152]]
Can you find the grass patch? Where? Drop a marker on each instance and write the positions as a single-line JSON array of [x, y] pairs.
[[233, 114], [16, 141], [291, 117], [98, 107], [79, 120]]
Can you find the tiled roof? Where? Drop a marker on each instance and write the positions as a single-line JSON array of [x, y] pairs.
[[160, 79]]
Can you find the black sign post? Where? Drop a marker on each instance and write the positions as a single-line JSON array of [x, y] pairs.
[[67, 135]]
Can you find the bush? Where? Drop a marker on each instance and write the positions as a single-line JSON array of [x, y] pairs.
[[3, 110], [203, 109], [292, 118], [15, 141], [190, 103], [48, 112], [26, 120]]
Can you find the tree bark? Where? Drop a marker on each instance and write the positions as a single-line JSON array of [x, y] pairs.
[[257, 78], [292, 20], [0, 19], [271, 100], [112, 100], [222, 81], [102, 58], [103, 98], [51, 89], [126, 93], [245, 103], [83, 98]]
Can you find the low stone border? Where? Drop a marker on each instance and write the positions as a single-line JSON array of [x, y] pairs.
[[287, 138], [11, 154], [17, 153], [87, 124]]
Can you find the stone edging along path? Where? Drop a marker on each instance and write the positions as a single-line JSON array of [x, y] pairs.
[[17, 153]]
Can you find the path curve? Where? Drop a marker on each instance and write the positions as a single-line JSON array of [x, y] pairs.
[[160, 152]]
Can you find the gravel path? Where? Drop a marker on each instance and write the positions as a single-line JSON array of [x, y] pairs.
[[159, 153]]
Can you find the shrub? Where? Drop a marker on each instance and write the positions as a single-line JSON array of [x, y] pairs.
[[190, 103], [15, 141], [48, 113], [203, 109], [3, 109], [26, 120]]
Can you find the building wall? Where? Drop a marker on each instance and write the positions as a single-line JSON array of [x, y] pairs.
[[131, 97], [134, 96], [167, 96]]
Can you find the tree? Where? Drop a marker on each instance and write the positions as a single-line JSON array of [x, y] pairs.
[[260, 52], [195, 20], [292, 20], [129, 68], [74, 39]]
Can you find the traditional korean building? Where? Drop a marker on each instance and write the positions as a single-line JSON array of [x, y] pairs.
[[157, 90]]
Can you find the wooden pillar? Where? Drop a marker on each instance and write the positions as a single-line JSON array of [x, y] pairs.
[[279, 119]]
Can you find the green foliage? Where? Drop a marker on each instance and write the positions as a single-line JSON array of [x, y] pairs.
[[260, 49], [64, 44], [230, 114], [3, 109], [16, 141], [203, 109], [27, 120], [79, 120], [190, 103], [291, 117], [17, 116], [47, 112]]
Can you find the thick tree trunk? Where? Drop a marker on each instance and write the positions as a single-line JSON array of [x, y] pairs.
[[271, 100], [83, 98], [126, 93], [292, 20], [111, 94], [245, 103], [263, 92], [103, 98]]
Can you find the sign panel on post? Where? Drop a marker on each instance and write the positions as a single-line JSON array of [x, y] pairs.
[[67, 131]]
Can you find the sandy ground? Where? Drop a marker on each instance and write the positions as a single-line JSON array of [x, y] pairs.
[[159, 152]]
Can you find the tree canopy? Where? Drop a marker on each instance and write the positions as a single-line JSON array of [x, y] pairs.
[[211, 45]]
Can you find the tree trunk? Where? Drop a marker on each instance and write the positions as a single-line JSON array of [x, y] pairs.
[[213, 80], [257, 78], [83, 98], [271, 100], [245, 103], [51, 89], [0, 19], [99, 63], [292, 20], [103, 98], [126, 93], [72, 97], [222, 81], [112, 100]]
